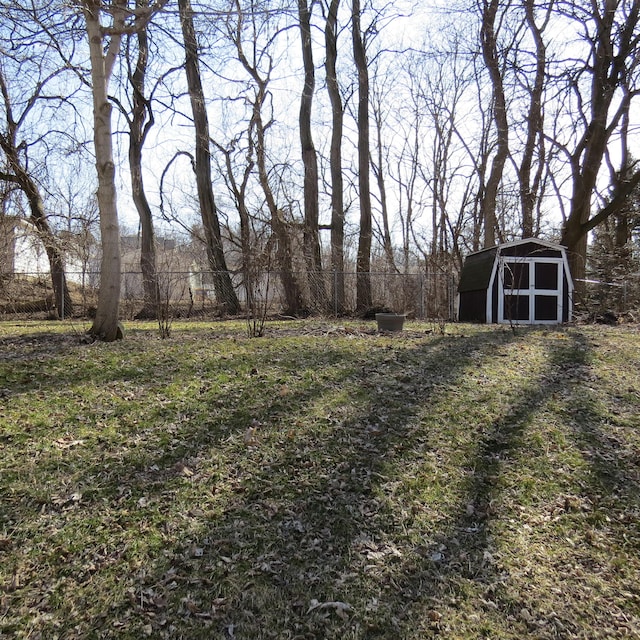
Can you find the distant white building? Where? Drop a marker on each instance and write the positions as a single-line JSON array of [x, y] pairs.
[[23, 252]]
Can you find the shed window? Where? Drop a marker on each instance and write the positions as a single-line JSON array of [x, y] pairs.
[[516, 308], [546, 308], [516, 275], [546, 275]]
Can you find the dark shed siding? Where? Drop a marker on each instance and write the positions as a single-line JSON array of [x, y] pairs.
[[473, 306], [474, 281]]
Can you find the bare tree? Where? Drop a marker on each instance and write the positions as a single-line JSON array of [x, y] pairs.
[[258, 129], [335, 156], [140, 121], [105, 324], [489, 44], [16, 159], [311, 240], [604, 89], [381, 105], [104, 47], [363, 286], [238, 188], [437, 171], [593, 84], [222, 280], [407, 177], [531, 169]]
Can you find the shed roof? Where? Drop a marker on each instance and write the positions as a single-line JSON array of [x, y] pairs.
[[476, 271], [531, 247], [477, 268]]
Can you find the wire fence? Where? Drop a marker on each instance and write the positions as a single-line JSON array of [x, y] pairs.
[[193, 294], [608, 302]]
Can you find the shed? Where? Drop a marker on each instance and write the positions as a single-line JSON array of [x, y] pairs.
[[524, 282]]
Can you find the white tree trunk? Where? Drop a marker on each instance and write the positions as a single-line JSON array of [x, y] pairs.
[[105, 325]]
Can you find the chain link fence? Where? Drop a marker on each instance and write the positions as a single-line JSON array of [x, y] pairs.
[[192, 294], [422, 295]]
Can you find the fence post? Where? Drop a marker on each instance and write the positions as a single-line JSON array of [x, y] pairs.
[[61, 285], [335, 293], [452, 298]]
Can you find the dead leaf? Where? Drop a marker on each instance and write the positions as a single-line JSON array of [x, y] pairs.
[[191, 606], [341, 608], [434, 616], [182, 469], [251, 436], [15, 582], [62, 443]]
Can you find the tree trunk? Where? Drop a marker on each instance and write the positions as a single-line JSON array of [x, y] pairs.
[[378, 172], [222, 280], [63, 303], [311, 240], [335, 159], [239, 191], [105, 325], [535, 133], [147, 239], [138, 128], [575, 239], [363, 284], [490, 55], [284, 254]]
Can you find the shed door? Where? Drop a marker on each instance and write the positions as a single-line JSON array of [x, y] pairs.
[[530, 290]]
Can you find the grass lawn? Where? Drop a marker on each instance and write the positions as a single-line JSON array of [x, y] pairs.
[[322, 481]]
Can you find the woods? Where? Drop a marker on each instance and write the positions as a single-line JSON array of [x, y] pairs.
[[317, 138]]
